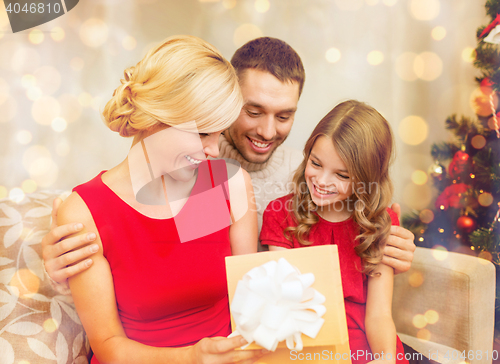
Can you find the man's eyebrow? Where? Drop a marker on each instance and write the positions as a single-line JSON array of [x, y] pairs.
[[259, 106], [254, 104]]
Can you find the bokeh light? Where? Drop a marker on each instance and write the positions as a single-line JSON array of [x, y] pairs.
[[24, 137], [3, 192], [34, 93], [45, 172], [4, 90], [48, 79], [32, 154], [413, 130], [229, 4], [16, 195], [431, 316], [419, 177], [45, 109], [424, 334], [424, 9], [416, 279], [469, 54], [8, 109], [25, 60], [36, 36], [262, 5], [85, 99], [94, 32], [404, 66], [349, 5], [57, 34], [129, 43], [485, 199], [428, 66], [26, 281], [426, 216], [332, 55], [29, 186], [417, 197], [481, 103], [63, 148], [438, 33], [59, 124], [419, 321], [50, 325], [77, 63], [390, 2], [28, 81], [478, 141], [375, 58], [245, 33], [439, 252], [371, 2], [71, 108]]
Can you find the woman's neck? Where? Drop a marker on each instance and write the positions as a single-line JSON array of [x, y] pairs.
[[171, 195]]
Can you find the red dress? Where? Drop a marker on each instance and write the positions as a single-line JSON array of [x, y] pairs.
[[168, 293], [278, 216]]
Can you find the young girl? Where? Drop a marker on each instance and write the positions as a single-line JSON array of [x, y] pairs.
[[340, 195]]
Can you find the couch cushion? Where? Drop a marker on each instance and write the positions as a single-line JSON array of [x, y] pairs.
[[37, 324]]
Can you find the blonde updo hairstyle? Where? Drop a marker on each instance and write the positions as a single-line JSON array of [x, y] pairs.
[[182, 79]]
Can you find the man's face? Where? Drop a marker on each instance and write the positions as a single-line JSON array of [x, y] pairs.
[[267, 116]]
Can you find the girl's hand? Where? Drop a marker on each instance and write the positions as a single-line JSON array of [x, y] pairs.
[[221, 350]]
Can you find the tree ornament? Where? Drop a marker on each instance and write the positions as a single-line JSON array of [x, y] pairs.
[[460, 164], [482, 99], [466, 224], [486, 32], [494, 117], [452, 196], [437, 171]]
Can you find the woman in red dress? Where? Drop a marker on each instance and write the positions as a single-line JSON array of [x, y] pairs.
[[156, 291]]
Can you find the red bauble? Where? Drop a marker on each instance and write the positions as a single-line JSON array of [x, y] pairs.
[[460, 164], [467, 224]]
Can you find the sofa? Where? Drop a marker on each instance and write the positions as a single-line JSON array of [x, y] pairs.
[[444, 303]]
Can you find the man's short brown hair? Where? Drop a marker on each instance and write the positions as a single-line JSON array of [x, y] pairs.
[[270, 55]]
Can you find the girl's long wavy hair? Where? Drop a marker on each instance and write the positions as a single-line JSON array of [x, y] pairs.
[[363, 139]]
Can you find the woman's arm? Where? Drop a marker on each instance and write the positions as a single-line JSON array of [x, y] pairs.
[[94, 297], [380, 329], [243, 233]]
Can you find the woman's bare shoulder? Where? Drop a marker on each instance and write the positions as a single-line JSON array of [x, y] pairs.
[[73, 209]]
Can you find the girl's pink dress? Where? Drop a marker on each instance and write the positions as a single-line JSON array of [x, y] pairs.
[[278, 216]]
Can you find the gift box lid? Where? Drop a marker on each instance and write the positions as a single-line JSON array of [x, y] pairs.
[[323, 262]]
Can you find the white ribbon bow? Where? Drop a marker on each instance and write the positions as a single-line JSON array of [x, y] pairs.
[[275, 302]]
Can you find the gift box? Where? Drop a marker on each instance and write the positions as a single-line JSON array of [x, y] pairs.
[[331, 343]]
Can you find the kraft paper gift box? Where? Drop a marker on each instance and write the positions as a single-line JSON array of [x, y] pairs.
[[331, 344]]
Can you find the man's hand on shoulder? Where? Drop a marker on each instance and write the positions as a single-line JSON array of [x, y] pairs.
[[65, 255], [398, 251]]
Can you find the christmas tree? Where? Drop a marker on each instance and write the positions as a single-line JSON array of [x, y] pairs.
[[466, 215]]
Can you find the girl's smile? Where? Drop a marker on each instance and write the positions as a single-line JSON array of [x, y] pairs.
[[327, 178]]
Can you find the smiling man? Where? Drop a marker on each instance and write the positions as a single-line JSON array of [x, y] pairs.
[[271, 79]]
